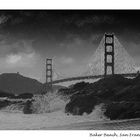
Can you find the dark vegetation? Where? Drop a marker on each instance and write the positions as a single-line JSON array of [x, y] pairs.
[[18, 84], [120, 95]]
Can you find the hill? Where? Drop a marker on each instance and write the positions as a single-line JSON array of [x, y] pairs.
[[17, 84]]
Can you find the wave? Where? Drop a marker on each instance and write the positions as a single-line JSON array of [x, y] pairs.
[[53, 105]]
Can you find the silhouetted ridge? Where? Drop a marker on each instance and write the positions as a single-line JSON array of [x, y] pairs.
[[17, 84]]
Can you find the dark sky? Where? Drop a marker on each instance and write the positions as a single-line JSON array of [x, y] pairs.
[[70, 37]]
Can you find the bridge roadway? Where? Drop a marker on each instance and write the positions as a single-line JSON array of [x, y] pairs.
[[90, 77]]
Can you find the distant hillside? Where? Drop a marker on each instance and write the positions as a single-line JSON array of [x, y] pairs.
[[17, 84]]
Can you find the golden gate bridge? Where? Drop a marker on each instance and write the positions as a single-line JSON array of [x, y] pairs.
[[109, 58]]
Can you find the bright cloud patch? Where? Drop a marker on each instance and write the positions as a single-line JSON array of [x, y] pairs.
[[20, 60], [13, 59], [18, 54]]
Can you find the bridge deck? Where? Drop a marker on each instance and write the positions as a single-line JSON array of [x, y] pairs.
[[90, 77]]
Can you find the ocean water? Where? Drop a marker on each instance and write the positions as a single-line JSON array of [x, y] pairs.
[[49, 115]]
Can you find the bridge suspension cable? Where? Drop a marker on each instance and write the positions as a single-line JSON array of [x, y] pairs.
[[121, 62]]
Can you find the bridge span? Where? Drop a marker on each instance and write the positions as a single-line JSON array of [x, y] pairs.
[[109, 61], [131, 75]]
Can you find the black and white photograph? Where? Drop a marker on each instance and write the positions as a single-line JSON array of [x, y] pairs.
[[69, 69]]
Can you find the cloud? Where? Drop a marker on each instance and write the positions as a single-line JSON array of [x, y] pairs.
[[95, 20], [18, 54], [13, 59], [20, 60], [3, 19], [73, 42], [15, 47], [66, 60]]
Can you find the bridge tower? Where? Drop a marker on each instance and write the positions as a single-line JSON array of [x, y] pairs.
[[109, 53], [49, 73]]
